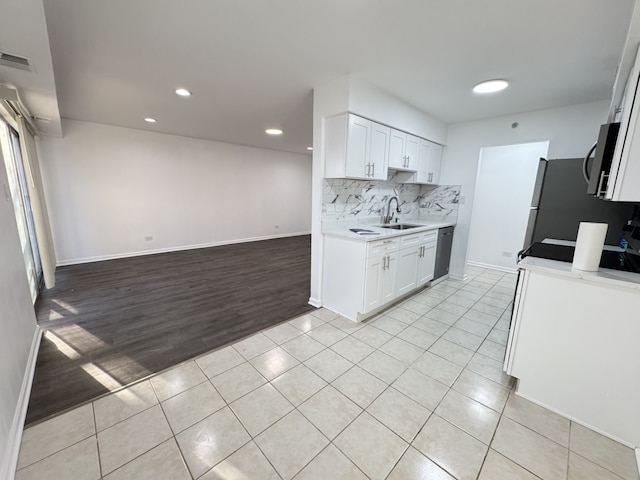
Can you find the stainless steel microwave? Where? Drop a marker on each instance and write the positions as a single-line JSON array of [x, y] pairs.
[[597, 175]]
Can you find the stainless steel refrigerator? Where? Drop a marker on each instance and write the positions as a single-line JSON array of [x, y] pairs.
[[560, 202]]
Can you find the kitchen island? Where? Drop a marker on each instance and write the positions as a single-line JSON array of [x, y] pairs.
[[574, 345]]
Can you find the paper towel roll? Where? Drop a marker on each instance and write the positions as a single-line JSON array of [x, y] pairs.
[[589, 246]]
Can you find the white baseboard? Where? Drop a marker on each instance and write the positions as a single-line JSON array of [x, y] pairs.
[[315, 302], [460, 278], [8, 468], [101, 258], [493, 267]]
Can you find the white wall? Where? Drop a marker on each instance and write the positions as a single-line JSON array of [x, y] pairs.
[[107, 188], [570, 131], [17, 334], [501, 204]]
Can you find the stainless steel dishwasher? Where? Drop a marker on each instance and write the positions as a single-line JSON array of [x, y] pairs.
[[443, 252]]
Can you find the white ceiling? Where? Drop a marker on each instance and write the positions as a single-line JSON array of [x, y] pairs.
[[252, 64]]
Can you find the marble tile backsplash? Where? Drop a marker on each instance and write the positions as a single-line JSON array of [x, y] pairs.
[[350, 199]]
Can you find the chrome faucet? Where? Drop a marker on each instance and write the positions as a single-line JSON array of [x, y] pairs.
[[389, 216]]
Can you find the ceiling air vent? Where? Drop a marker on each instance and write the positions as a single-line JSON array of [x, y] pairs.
[[14, 61]]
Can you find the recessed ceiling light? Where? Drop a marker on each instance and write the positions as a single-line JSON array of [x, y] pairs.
[[491, 86], [310, 148], [273, 131], [183, 92], [150, 120]]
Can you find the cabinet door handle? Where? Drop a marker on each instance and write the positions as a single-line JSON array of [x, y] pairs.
[[373, 169]]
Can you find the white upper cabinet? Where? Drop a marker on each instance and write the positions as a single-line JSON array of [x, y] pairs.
[[624, 176], [403, 151], [356, 148], [429, 158]]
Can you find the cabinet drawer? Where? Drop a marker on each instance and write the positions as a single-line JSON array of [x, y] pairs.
[[409, 240], [380, 247], [430, 236]]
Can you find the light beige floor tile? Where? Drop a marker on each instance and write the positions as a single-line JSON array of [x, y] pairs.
[[219, 361], [471, 326], [582, 469], [415, 466], [468, 415], [383, 366], [352, 349], [306, 322], [346, 325], [538, 419], [415, 306], [531, 450], [274, 363], [489, 368], [298, 384], [118, 406], [452, 449], [607, 453], [261, 408], [498, 336], [401, 350], [371, 446], [163, 462], [77, 462], [420, 388], [327, 334], [238, 381], [482, 390], [324, 314], [428, 300], [399, 413], [211, 440], [451, 351], [328, 365], [404, 315], [417, 337], [254, 346], [53, 435], [492, 350], [466, 339], [372, 336], [291, 443], [188, 408], [442, 316], [359, 386], [461, 300], [431, 326], [388, 324], [497, 467], [303, 347], [481, 317], [487, 308], [331, 464], [437, 367], [132, 437], [248, 463], [449, 307], [282, 333], [330, 411], [177, 380]]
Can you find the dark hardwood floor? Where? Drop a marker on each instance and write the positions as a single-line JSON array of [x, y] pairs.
[[112, 323]]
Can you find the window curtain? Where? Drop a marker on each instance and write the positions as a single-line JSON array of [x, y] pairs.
[[38, 205]]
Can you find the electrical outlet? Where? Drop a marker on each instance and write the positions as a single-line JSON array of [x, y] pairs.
[[507, 254], [148, 238]]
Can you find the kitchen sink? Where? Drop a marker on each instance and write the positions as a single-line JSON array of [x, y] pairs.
[[401, 226]]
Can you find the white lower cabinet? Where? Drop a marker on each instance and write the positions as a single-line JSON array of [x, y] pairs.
[[360, 278]]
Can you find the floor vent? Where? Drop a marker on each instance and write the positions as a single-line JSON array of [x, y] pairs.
[[14, 61]]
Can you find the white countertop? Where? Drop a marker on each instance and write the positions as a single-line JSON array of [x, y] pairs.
[[341, 228], [604, 276]]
